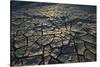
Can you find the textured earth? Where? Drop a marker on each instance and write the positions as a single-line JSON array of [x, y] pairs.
[[50, 33]]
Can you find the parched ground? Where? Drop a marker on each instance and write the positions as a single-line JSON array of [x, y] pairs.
[[48, 33]]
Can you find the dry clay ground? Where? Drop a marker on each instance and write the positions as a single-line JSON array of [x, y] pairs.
[[43, 33]]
